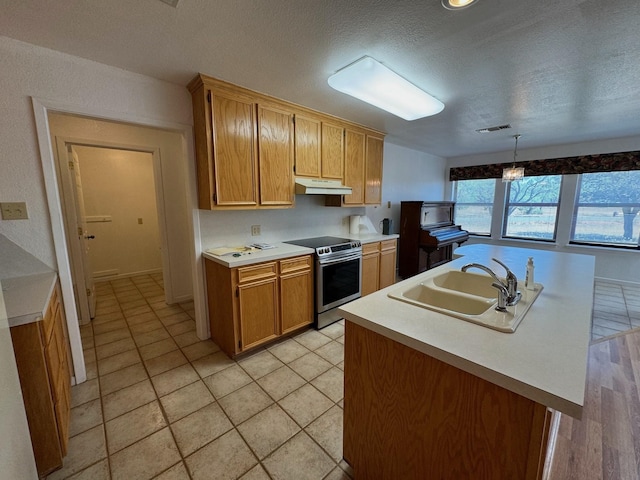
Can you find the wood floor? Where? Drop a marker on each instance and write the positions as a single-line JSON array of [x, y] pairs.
[[605, 444]]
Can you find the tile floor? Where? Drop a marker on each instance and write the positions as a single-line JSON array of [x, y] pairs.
[[159, 403], [616, 309]]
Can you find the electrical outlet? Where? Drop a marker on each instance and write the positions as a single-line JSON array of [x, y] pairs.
[[255, 230], [14, 211], [388, 204]]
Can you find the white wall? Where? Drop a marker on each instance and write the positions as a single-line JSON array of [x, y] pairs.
[[120, 203], [611, 263]]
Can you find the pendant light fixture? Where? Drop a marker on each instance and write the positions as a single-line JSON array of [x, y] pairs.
[[513, 173]]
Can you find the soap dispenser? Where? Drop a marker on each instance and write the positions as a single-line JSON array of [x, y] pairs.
[[528, 281]]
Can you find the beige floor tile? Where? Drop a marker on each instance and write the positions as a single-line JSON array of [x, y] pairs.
[[85, 417], [327, 431], [267, 430], [98, 471], [84, 450], [136, 302], [259, 364], [332, 352], [175, 318], [227, 381], [122, 378], [165, 362], [299, 459], [84, 392], [129, 312], [89, 355], [169, 311], [145, 459], [334, 330], [157, 349], [127, 429], [288, 350], [149, 326], [305, 404], [280, 383], [113, 348], [141, 318], [177, 472], [153, 336], [182, 327], [310, 366], [228, 456], [118, 362], [213, 363], [116, 324], [245, 403], [91, 370], [312, 339], [196, 430], [127, 399], [337, 474], [200, 349], [256, 473], [187, 338], [186, 400], [174, 379], [340, 340], [619, 326], [107, 317], [111, 336], [331, 383]]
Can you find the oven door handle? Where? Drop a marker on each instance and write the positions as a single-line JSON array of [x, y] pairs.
[[351, 256]]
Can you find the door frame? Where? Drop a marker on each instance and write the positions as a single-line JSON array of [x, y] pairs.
[[41, 107]]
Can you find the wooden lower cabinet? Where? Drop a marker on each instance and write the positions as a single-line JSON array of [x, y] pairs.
[[378, 265], [41, 355], [408, 415], [255, 304]]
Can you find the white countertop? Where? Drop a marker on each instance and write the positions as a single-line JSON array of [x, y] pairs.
[[281, 250], [545, 359], [26, 298]]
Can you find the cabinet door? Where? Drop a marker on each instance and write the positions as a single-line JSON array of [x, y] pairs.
[[307, 146], [354, 166], [370, 267], [387, 263], [275, 156], [233, 126], [296, 293], [332, 150], [373, 170], [258, 312]]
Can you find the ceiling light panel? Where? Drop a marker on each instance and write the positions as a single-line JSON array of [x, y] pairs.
[[370, 81]]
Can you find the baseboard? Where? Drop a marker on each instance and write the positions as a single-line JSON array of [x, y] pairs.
[[117, 276]]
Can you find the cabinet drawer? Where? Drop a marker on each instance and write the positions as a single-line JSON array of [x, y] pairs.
[[261, 271], [388, 245], [295, 264], [369, 248]]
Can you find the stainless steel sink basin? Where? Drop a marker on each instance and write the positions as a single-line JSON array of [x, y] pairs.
[[467, 296]]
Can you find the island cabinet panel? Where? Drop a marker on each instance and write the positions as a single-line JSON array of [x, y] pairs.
[[332, 150], [275, 156], [252, 305], [411, 416], [354, 158], [307, 146]]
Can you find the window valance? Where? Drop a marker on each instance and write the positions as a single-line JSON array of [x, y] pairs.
[[605, 162]]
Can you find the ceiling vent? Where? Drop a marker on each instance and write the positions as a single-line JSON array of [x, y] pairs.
[[172, 3], [494, 129]]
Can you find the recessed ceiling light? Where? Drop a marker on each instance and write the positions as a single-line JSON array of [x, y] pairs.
[[370, 81], [457, 4]]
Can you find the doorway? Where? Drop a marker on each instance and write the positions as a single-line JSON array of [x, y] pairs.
[[110, 208]]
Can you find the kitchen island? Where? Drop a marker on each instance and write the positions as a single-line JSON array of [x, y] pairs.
[[432, 396]]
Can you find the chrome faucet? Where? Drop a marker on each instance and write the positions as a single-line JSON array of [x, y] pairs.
[[508, 294]]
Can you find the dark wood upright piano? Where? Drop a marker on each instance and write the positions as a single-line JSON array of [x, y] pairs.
[[427, 236]]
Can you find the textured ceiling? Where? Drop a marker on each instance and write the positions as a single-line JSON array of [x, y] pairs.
[[557, 71]]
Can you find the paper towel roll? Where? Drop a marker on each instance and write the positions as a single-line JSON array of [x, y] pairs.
[[354, 224]]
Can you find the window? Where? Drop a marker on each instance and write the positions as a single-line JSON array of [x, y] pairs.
[[607, 209], [531, 210], [474, 205]]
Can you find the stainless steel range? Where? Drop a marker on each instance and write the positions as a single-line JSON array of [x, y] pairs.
[[338, 277]]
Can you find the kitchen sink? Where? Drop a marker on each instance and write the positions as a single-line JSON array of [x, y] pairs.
[[466, 296]]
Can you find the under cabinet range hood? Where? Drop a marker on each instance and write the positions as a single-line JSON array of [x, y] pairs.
[[314, 186]]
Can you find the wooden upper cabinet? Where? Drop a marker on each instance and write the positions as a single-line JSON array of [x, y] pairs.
[[307, 146], [373, 170], [354, 158], [332, 150], [234, 149], [275, 156]]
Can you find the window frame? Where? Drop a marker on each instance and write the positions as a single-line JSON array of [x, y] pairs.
[[492, 205]]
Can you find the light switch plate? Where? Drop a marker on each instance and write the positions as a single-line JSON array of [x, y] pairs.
[[14, 210]]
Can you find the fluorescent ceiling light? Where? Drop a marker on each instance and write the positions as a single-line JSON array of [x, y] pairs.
[[372, 82]]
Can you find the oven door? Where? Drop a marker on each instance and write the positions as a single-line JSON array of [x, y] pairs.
[[338, 281]]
